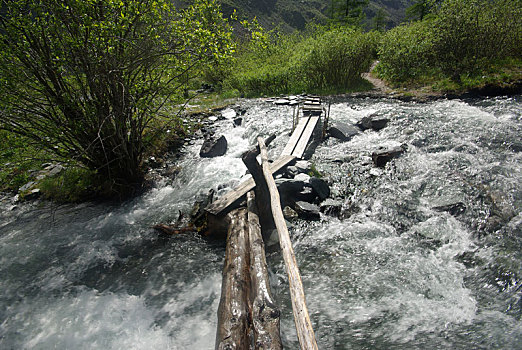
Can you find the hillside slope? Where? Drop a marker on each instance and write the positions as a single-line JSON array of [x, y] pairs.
[[288, 15]]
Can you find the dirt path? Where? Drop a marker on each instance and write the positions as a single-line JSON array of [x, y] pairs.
[[376, 82]]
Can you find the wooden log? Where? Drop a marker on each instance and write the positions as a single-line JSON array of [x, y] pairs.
[[261, 189], [265, 314], [305, 332], [233, 312]]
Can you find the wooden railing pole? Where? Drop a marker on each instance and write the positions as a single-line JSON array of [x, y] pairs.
[[305, 332]]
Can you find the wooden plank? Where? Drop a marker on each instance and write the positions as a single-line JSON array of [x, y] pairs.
[[265, 314], [294, 138], [233, 311], [226, 200], [303, 325], [305, 137]]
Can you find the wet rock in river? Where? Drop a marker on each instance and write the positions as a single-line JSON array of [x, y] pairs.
[[374, 122], [331, 207], [307, 211], [342, 131], [454, 209], [238, 121], [384, 155], [320, 187], [291, 171], [214, 147]]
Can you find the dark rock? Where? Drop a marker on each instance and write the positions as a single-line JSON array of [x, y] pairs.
[[320, 187], [214, 147], [384, 155], [307, 211], [454, 209], [238, 121], [374, 122], [289, 186], [331, 207], [240, 110], [291, 171], [342, 131], [289, 190], [515, 147]]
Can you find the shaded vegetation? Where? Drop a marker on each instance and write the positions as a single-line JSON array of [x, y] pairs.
[[459, 41], [88, 81]]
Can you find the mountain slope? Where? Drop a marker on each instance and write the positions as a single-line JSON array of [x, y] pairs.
[[288, 15]]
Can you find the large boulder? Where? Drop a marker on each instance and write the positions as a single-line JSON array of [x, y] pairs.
[[214, 147], [342, 131]]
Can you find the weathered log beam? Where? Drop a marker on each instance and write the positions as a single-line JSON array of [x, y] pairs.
[[305, 332], [233, 312], [265, 314]]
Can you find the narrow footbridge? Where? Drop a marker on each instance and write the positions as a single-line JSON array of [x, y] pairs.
[[303, 128], [248, 317]]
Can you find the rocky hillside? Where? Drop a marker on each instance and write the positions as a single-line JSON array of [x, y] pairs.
[[288, 15]]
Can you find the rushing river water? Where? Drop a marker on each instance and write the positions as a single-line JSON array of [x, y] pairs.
[[392, 273]]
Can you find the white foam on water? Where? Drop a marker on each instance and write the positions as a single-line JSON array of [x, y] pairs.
[[92, 321]]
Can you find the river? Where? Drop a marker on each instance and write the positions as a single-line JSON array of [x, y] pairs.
[[393, 272]]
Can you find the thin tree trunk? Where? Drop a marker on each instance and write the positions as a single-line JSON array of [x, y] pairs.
[[305, 332]]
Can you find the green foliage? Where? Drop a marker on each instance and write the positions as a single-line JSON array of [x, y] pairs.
[[406, 51], [320, 59], [72, 185], [459, 40], [348, 12], [17, 158], [379, 21], [86, 80]]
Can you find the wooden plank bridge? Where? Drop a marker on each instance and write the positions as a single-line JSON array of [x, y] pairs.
[[295, 148], [247, 315]]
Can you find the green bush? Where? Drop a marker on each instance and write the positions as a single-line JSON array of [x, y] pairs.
[[319, 59], [406, 51], [336, 58], [460, 39]]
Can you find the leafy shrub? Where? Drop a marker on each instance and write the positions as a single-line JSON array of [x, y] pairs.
[[320, 58], [336, 58], [461, 38], [406, 51]]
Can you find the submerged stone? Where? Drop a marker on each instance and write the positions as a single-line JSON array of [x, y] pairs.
[[454, 209]]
